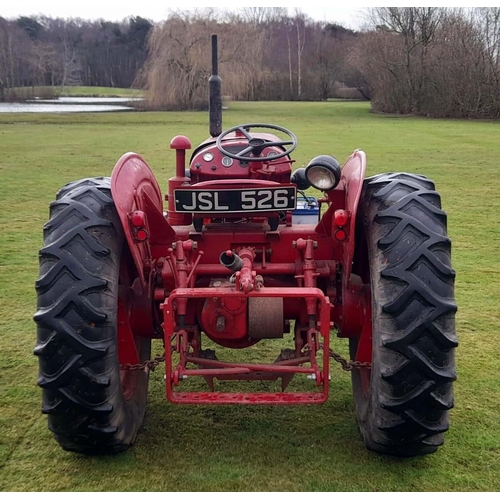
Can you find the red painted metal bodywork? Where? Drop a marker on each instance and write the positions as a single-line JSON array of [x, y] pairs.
[[201, 170], [180, 143], [353, 174], [178, 270], [134, 187]]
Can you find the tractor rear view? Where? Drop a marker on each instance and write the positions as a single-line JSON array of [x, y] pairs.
[[240, 254]]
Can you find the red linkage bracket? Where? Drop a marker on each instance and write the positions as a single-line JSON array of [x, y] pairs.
[[213, 368]]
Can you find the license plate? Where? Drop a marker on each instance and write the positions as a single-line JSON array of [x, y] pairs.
[[235, 200]]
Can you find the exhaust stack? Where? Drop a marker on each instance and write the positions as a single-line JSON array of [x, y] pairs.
[[215, 100]]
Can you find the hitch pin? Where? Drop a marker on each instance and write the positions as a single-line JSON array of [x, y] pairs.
[[312, 376]]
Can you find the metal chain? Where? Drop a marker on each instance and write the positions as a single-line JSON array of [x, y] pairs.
[[348, 365], [147, 366]]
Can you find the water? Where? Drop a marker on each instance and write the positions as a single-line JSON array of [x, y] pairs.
[[69, 105]]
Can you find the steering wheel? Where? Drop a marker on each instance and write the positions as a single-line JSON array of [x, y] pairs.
[[256, 144]]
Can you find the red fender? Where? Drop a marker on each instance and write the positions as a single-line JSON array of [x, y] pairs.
[[134, 187], [355, 300], [353, 174]]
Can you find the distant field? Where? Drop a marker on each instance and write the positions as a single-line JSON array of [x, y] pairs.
[[100, 92], [45, 92], [303, 448]]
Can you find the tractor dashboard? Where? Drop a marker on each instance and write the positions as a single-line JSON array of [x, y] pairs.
[[209, 163]]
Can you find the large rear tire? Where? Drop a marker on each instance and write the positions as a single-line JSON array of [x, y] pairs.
[[93, 407], [402, 407]]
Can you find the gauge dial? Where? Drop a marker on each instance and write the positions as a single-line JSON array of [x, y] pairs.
[[226, 161]]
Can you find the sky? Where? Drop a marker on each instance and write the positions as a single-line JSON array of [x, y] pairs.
[[349, 16]]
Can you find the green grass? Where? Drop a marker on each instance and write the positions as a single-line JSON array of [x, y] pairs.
[[253, 448], [77, 91], [99, 92]]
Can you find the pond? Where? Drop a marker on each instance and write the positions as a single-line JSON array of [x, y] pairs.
[[70, 105]]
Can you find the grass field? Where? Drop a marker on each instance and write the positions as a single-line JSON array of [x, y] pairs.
[[253, 448], [76, 91], [99, 92]]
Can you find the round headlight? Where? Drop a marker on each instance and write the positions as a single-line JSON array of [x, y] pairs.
[[323, 172], [320, 177]]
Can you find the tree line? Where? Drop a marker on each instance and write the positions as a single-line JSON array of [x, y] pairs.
[[43, 51], [265, 54], [421, 60], [432, 61]]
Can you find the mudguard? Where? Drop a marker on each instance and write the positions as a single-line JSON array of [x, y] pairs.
[[134, 187], [353, 174], [354, 301]]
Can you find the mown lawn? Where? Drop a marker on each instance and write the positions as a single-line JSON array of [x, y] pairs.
[[99, 92], [253, 448], [75, 91]]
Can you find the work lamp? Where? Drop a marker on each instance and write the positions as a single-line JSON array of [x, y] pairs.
[[323, 172], [300, 180]]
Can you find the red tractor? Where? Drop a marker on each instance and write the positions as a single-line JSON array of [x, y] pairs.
[[241, 254]]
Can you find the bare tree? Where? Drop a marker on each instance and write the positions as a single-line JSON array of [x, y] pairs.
[[259, 16], [178, 68], [436, 62], [415, 27], [326, 61], [289, 45], [15, 59], [299, 22]]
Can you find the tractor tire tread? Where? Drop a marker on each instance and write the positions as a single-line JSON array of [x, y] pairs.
[[414, 290], [76, 343]]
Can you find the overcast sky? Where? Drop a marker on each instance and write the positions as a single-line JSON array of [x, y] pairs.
[[349, 14], [156, 10]]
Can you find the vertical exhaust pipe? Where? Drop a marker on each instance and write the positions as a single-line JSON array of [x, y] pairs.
[[215, 100]]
